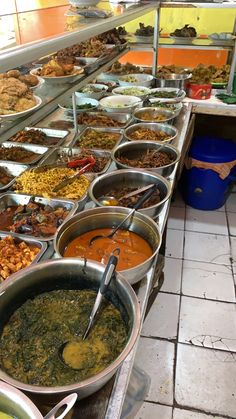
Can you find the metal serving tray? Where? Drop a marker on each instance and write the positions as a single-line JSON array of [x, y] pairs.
[[59, 137], [10, 199], [14, 169], [80, 202], [76, 141], [19, 238], [40, 150], [124, 120], [68, 152]]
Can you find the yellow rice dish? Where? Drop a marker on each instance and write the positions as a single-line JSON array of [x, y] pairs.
[[42, 183]]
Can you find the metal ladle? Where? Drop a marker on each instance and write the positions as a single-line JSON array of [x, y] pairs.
[[81, 348], [138, 205]]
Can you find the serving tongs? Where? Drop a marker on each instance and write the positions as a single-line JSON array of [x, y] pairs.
[[72, 164]]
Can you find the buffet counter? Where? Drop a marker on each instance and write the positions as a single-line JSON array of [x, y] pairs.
[[108, 402]]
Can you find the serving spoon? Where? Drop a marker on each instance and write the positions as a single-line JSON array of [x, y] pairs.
[[77, 350], [135, 207], [111, 200]]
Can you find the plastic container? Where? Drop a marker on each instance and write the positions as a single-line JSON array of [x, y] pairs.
[[203, 188], [234, 84], [199, 91]]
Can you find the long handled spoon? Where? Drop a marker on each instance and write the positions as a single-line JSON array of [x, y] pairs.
[[138, 205], [74, 353]]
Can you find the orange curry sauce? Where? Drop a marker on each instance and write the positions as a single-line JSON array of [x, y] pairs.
[[134, 250]]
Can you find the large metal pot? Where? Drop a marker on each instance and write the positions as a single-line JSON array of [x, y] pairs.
[[135, 149], [109, 217], [69, 273], [131, 178], [15, 403]]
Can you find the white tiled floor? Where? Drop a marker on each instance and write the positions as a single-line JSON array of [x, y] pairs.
[[188, 346]]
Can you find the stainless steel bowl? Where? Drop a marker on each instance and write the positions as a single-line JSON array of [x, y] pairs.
[[109, 217], [174, 80], [154, 126], [135, 149], [18, 405], [133, 178], [153, 112], [69, 273]]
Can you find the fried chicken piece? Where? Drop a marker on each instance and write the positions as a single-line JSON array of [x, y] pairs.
[[15, 96], [53, 69], [13, 73], [13, 87], [67, 67], [30, 80]]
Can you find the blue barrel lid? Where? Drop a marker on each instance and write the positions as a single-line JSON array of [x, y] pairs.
[[212, 149]]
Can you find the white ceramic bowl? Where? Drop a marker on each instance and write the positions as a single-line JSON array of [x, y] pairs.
[[222, 36], [94, 95], [120, 103], [61, 79], [180, 98], [141, 80], [84, 101], [23, 113], [131, 91]]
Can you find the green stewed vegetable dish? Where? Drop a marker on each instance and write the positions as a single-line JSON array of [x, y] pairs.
[[31, 339]]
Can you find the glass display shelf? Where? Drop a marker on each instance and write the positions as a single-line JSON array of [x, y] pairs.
[[203, 4], [64, 30], [167, 42], [51, 95]]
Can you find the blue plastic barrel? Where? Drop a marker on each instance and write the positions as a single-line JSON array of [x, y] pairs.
[[203, 188]]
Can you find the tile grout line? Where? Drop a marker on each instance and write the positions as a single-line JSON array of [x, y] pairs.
[[181, 407], [175, 342], [199, 232], [196, 297], [178, 324], [231, 253], [201, 261]]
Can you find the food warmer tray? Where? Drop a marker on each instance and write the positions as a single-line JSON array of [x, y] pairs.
[[124, 119], [9, 199], [40, 150], [68, 152], [93, 63], [58, 135], [14, 169], [80, 202], [76, 140]]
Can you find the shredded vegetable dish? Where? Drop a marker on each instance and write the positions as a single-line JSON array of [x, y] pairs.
[[148, 134], [42, 183]]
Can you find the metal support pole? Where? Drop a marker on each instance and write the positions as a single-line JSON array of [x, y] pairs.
[[155, 42], [233, 64]]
